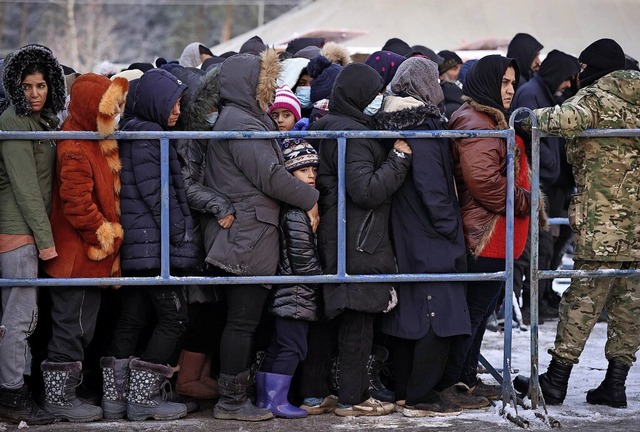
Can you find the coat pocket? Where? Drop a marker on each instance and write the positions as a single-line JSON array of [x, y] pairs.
[[369, 234]]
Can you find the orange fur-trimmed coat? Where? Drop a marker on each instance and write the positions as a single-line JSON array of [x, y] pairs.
[[85, 215]]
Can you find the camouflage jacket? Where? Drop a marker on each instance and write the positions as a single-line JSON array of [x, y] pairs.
[[605, 213]]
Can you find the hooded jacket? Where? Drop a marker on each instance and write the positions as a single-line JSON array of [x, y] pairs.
[[86, 205], [524, 48], [605, 213], [156, 94], [27, 167], [372, 176], [249, 172]]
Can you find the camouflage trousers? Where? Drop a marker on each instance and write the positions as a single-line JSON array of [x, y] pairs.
[[582, 304]]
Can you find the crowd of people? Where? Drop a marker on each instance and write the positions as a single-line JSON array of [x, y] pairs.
[[261, 207]]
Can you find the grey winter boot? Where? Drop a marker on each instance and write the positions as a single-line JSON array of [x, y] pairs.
[[60, 382], [145, 400], [234, 403], [115, 384]]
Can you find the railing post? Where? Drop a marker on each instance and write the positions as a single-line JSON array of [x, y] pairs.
[[164, 209], [342, 210]]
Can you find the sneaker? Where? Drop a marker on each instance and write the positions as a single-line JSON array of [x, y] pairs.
[[489, 391], [458, 394], [440, 408], [370, 407], [315, 406]]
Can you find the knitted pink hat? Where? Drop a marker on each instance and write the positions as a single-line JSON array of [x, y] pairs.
[[286, 99]]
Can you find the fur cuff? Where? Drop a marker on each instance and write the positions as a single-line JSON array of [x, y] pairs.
[[47, 366], [106, 234], [164, 370]]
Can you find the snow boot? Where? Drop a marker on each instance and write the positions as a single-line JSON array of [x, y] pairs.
[[234, 404], [145, 399], [553, 383], [276, 391], [611, 391], [375, 364], [192, 375], [115, 384], [60, 382], [16, 405]]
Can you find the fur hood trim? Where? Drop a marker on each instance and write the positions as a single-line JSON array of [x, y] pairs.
[[408, 118], [15, 65], [115, 94], [496, 114], [207, 97], [267, 81], [337, 53]]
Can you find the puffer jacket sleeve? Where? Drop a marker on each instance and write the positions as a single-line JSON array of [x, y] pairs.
[[191, 155], [300, 244], [146, 170], [370, 186]]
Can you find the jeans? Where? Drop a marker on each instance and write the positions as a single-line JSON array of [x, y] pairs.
[[244, 309], [482, 297], [74, 313], [19, 315], [139, 304], [288, 346]]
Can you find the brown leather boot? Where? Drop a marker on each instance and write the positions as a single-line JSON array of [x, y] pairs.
[[205, 375], [189, 381]]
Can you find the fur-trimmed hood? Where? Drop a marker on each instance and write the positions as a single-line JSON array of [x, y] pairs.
[[207, 97], [249, 81], [14, 66], [400, 115], [93, 103], [337, 53]]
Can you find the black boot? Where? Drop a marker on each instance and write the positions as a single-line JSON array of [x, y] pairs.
[[611, 391], [377, 390], [553, 383], [234, 404], [16, 405]]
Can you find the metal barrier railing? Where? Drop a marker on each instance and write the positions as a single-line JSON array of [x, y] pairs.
[[165, 277]]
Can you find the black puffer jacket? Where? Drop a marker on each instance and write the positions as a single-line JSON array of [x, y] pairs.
[[298, 256]]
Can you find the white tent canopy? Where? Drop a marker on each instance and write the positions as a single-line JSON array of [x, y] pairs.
[[365, 25]]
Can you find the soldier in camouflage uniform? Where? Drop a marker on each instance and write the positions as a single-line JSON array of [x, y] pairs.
[[605, 218]]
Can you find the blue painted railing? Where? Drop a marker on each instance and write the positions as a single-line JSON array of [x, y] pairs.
[[341, 276]]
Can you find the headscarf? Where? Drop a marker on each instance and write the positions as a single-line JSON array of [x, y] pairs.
[[483, 82], [418, 77]]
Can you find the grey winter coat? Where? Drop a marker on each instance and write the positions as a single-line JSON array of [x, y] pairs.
[[249, 172]]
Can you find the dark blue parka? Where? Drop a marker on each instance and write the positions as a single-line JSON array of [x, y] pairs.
[[426, 231], [155, 95]]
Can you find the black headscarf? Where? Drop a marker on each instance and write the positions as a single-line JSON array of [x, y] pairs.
[[356, 86], [558, 67], [483, 82], [601, 57]]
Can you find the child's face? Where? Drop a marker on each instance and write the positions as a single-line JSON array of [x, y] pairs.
[[307, 175], [283, 118]]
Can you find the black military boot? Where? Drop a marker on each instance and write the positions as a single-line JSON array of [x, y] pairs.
[[377, 390], [611, 391], [16, 405], [553, 383]]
